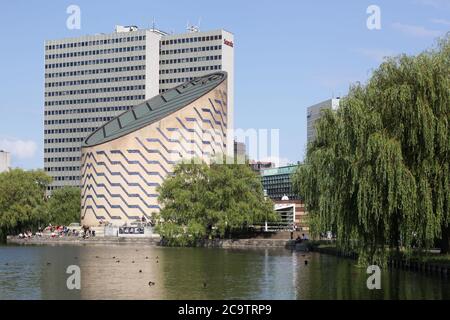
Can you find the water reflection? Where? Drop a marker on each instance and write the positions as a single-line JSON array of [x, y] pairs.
[[124, 272]]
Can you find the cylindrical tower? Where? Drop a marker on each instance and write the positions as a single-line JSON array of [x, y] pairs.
[[125, 160]]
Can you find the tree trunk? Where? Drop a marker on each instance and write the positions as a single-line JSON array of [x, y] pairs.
[[445, 241]]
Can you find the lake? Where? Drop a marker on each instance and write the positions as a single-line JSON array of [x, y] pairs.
[[124, 272]]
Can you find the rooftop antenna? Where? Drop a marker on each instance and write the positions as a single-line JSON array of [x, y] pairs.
[[192, 28], [153, 23]]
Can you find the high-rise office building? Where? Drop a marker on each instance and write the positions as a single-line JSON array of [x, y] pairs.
[[239, 152], [5, 161], [258, 166], [195, 54], [89, 80], [314, 113], [277, 182]]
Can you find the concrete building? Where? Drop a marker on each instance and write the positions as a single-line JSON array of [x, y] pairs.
[[5, 161], [125, 160], [240, 153], [314, 113], [258, 166], [90, 80], [292, 215], [195, 54], [277, 182]]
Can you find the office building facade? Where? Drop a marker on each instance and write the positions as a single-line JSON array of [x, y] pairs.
[[258, 166], [125, 160], [239, 152], [90, 80], [5, 161], [277, 182], [195, 54], [314, 113]]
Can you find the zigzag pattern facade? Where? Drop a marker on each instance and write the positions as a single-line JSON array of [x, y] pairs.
[[120, 177]]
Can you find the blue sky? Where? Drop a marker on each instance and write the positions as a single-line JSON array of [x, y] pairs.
[[288, 54]]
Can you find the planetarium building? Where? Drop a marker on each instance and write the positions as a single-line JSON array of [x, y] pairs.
[[125, 160]]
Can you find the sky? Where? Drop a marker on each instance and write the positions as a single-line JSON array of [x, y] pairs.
[[288, 54]]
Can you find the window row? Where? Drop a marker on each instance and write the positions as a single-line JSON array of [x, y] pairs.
[[61, 169], [185, 79], [93, 52], [85, 110], [94, 100], [93, 42], [191, 39], [190, 50], [191, 69], [69, 130], [93, 81], [192, 59], [64, 178], [94, 71], [63, 140], [94, 90], [93, 62], [78, 120], [69, 149], [62, 159]]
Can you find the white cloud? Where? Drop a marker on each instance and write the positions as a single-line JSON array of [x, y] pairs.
[[21, 149], [416, 31], [434, 3], [376, 54], [441, 21]]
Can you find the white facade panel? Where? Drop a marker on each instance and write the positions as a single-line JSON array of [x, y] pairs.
[[5, 161]]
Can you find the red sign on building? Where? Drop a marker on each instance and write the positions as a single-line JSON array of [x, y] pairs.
[[228, 42]]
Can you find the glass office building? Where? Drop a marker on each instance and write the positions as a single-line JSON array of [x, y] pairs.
[[277, 182]]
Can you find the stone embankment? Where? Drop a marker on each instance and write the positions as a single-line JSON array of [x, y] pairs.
[[155, 241], [80, 241]]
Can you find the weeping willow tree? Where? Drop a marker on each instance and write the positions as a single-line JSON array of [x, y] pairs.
[[377, 174]]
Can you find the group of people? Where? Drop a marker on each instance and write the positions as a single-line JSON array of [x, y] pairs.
[[26, 235], [61, 231], [302, 238], [87, 232], [56, 232]]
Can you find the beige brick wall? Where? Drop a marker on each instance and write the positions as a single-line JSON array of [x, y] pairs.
[[120, 177]]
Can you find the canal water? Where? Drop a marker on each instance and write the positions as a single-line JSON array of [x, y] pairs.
[[124, 272]]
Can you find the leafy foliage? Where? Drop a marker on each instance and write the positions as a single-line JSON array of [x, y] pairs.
[[64, 206], [200, 201], [22, 200], [378, 174]]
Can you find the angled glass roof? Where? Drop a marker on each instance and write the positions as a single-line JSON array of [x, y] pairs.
[[155, 109]]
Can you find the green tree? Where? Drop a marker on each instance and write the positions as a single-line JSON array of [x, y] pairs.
[[64, 206], [216, 200], [22, 200], [378, 173]]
